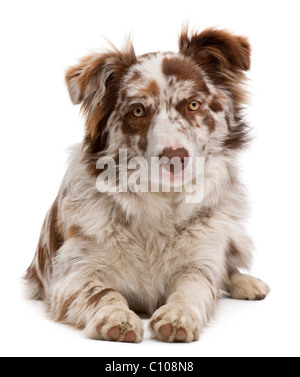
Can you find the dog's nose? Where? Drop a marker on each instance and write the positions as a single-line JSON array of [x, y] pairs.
[[170, 153], [174, 158]]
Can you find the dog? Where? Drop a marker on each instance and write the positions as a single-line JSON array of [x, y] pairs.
[[105, 255]]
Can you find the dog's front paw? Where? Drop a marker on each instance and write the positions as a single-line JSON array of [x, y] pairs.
[[116, 324], [174, 323]]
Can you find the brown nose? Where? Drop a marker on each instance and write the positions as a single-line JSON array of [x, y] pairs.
[[174, 164], [170, 153]]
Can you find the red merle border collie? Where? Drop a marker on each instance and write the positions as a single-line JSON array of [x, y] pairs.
[[105, 255]]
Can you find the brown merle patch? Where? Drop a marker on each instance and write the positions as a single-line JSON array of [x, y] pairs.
[[95, 297], [215, 104], [46, 249], [238, 135], [55, 239], [151, 89], [185, 70], [32, 277], [210, 122]]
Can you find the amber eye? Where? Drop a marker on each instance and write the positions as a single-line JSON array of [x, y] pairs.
[[139, 112], [194, 105]]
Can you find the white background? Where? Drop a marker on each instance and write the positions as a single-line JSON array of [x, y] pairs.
[[39, 40]]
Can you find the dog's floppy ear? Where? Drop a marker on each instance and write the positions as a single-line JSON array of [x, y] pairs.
[[95, 83], [88, 77], [218, 52], [88, 80]]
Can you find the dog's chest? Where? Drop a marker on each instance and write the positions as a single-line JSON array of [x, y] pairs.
[[140, 255], [140, 266]]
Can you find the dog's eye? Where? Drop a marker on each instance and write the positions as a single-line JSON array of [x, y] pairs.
[[139, 112], [194, 105]]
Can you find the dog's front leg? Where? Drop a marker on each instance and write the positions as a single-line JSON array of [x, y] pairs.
[[86, 302], [85, 297], [187, 309], [193, 291]]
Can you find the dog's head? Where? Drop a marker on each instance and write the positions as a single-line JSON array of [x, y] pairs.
[[164, 105]]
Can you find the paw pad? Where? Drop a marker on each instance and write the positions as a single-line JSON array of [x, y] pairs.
[[174, 325]]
